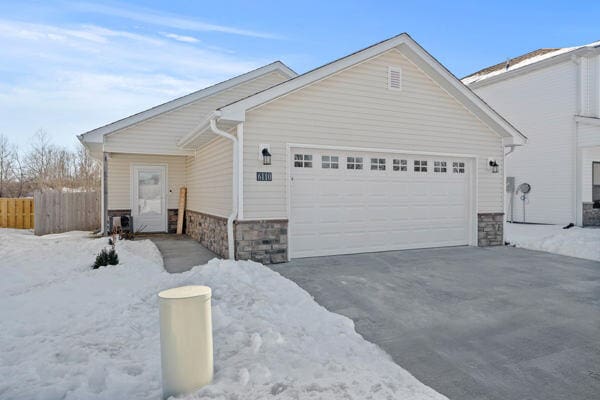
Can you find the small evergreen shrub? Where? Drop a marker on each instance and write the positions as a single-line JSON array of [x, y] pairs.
[[106, 257]]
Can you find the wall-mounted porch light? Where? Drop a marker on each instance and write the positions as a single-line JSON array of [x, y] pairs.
[[266, 156], [493, 166]]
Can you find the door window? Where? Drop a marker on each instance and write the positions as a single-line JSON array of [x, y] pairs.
[[149, 193]]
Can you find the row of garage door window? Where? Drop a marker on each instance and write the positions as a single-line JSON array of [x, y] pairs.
[[377, 164]]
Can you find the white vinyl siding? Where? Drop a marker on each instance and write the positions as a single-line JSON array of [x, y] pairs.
[[159, 135], [209, 178], [355, 108], [541, 104], [119, 177]]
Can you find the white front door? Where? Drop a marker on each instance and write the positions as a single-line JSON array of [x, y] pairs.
[[353, 202], [148, 208]]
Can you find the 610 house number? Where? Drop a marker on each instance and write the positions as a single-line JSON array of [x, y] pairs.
[[264, 176]]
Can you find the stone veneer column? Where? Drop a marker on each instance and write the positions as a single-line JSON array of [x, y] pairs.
[[261, 241], [209, 230], [490, 229], [591, 215]]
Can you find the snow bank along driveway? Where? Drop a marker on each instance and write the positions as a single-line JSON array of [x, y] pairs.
[[70, 332], [574, 242]]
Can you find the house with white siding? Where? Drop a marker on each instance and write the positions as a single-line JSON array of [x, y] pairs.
[[552, 96], [383, 149]]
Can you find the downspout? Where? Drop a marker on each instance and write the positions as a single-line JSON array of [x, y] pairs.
[[105, 223], [234, 197]]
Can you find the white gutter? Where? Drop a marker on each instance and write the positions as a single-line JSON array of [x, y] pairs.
[[234, 197]]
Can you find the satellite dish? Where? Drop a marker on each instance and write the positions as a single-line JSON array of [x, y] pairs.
[[524, 188]]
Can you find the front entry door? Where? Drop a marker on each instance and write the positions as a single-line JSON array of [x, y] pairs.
[[148, 206]]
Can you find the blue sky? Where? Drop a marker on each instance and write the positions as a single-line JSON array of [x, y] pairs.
[[71, 66]]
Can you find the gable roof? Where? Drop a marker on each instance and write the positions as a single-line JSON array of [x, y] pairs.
[[236, 111], [526, 62], [96, 135]]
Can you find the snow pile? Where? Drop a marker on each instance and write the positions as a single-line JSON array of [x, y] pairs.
[[71, 332], [574, 242]]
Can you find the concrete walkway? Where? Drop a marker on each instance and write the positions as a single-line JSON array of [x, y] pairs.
[[180, 252], [473, 323]]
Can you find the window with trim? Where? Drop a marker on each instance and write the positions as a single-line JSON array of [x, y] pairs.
[[420, 165], [354, 163], [439, 166], [330, 162], [458, 167], [303, 160], [596, 181], [377, 164], [399, 165]]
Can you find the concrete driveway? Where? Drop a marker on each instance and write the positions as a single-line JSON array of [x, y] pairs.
[[472, 323]]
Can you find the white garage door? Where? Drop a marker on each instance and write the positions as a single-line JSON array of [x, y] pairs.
[[352, 202]]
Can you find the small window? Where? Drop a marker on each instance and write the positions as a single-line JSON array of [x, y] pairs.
[[354, 163], [420, 166], [458, 167], [330, 162], [303, 160], [400, 165], [377, 164], [596, 181], [394, 78], [439, 166]]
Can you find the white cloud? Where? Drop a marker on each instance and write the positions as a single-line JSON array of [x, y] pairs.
[[167, 20], [180, 38], [68, 80]]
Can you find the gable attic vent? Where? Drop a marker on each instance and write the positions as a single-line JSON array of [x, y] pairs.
[[395, 78]]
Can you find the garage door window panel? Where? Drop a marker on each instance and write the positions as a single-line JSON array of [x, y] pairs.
[[330, 162], [420, 165], [355, 163], [377, 164], [439, 166], [400, 165], [458, 167], [303, 160]]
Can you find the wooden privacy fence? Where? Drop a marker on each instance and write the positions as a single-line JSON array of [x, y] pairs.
[[16, 213], [57, 212]]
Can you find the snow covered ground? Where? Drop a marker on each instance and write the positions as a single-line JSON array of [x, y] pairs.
[[574, 242], [71, 332]]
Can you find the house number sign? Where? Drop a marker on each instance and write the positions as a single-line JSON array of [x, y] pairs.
[[264, 176]]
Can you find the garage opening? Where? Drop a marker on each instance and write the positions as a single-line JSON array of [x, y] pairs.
[[344, 202]]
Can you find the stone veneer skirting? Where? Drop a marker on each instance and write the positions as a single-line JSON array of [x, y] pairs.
[[171, 219], [263, 241], [490, 229], [591, 215], [209, 230]]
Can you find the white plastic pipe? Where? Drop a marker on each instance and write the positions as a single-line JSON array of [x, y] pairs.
[[234, 191], [186, 346]]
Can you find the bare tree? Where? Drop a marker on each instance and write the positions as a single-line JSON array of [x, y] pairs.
[[6, 165], [45, 166]]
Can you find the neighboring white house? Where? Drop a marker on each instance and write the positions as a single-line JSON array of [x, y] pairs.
[[381, 150], [553, 97]]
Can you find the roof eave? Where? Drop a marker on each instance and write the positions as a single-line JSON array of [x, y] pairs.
[[236, 111], [563, 57], [93, 135]]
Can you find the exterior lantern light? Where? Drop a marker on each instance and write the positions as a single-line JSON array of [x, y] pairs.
[[494, 166], [266, 156]]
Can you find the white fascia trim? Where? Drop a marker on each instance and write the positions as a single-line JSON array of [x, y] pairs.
[[237, 111], [96, 135], [563, 57]]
